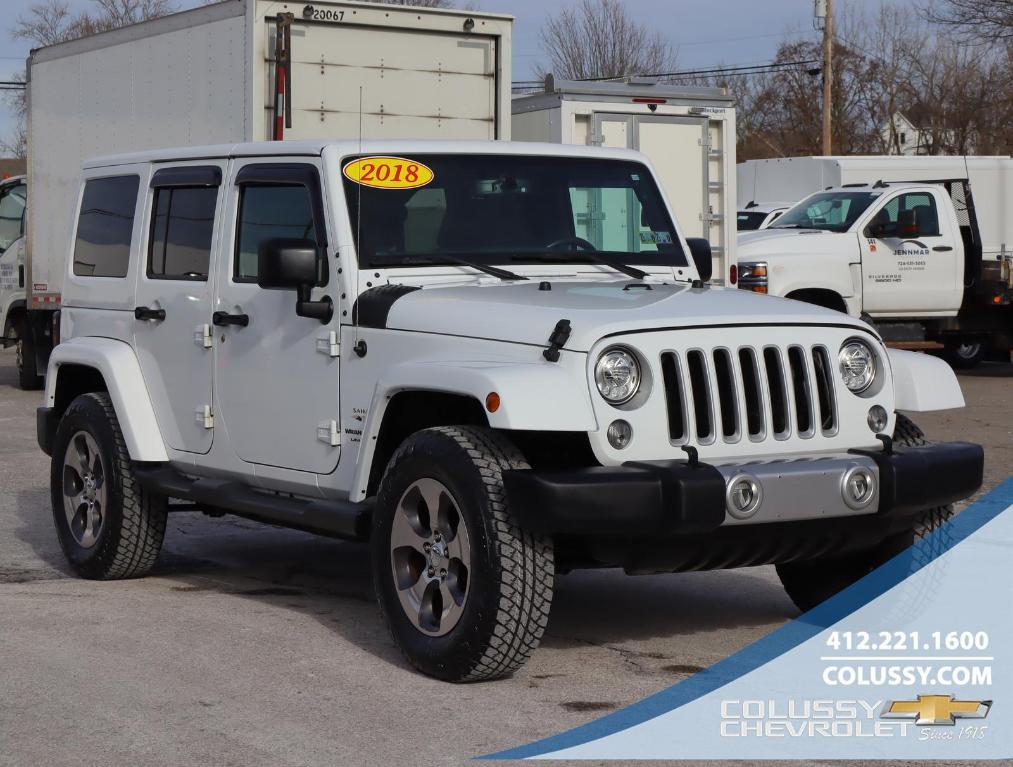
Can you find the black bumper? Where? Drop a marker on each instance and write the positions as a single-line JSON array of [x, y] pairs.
[[45, 427], [672, 498]]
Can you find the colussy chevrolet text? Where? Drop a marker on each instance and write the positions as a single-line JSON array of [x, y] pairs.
[[493, 361]]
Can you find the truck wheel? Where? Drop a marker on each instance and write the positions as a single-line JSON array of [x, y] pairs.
[[464, 591], [812, 582], [965, 354], [24, 351], [109, 526]]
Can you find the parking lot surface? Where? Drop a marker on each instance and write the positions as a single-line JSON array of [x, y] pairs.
[[252, 645]]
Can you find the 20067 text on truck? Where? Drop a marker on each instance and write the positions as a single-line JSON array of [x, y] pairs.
[[243, 70], [920, 246], [494, 361]]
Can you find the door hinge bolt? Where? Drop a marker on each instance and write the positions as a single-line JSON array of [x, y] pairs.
[[327, 432], [204, 417], [328, 344], [202, 336]]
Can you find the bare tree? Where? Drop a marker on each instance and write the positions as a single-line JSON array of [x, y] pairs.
[[599, 39], [418, 3], [986, 20], [48, 22]]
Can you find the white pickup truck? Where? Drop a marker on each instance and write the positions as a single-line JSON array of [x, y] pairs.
[[926, 261], [493, 360]]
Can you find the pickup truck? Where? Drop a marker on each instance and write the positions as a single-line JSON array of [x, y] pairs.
[[927, 262], [493, 361]]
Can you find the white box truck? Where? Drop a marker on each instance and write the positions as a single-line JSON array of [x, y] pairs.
[[240, 71], [922, 246], [687, 132]]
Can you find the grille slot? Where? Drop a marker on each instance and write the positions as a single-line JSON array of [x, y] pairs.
[[803, 394], [751, 391], [776, 391], [700, 388], [726, 394], [825, 390], [674, 397]]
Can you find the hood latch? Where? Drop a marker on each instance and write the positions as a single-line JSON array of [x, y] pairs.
[[560, 335]]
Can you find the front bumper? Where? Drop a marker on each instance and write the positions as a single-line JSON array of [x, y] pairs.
[[675, 498]]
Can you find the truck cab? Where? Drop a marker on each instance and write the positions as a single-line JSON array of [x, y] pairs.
[[13, 203], [492, 361], [882, 251]]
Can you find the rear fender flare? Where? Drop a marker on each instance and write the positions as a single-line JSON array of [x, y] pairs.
[[120, 370]]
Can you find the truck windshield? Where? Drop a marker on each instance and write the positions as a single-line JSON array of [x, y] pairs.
[[830, 211], [507, 209]]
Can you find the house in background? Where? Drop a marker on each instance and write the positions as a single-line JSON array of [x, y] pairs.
[[913, 132]]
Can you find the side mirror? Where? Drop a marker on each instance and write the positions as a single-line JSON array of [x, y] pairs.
[[700, 249], [294, 264], [287, 264], [907, 223]]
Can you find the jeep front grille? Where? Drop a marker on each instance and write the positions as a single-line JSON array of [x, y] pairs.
[[749, 393]]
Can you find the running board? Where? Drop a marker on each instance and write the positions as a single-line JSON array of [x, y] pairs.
[[339, 519]]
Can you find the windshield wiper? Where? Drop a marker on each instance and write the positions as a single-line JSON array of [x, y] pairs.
[[502, 274], [586, 255]]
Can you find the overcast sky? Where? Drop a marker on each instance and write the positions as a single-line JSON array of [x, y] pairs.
[[705, 32]]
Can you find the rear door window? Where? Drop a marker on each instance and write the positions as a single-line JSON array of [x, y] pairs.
[[182, 226], [105, 227]]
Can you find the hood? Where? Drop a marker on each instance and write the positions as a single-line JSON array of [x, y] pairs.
[[522, 313], [789, 242]]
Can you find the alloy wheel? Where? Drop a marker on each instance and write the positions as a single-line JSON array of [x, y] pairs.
[[85, 493], [430, 556]]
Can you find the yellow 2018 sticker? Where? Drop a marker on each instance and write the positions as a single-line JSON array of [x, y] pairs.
[[389, 173]]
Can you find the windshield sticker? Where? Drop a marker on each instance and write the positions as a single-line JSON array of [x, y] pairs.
[[656, 238], [389, 173]]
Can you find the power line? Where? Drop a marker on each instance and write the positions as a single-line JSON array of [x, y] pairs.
[[735, 71]]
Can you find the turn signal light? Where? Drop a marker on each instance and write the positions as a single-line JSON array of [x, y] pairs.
[[758, 288], [492, 402]]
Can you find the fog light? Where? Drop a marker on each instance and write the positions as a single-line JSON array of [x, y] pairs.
[[743, 496], [619, 434], [858, 487], [877, 418]]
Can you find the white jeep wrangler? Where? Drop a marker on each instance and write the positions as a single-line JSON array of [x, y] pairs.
[[493, 361]]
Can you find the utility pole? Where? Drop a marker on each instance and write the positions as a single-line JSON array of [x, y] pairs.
[[828, 76]]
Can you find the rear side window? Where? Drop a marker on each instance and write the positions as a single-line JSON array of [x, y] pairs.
[[269, 212], [182, 225], [105, 226]]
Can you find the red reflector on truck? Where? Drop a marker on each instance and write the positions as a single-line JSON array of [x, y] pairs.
[[733, 274], [642, 100]]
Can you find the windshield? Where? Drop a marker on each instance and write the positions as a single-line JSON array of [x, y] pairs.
[[507, 209], [831, 211], [747, 222]]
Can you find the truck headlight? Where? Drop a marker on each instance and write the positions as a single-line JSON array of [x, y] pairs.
[[617, 374], [753, 276], [858, 365]]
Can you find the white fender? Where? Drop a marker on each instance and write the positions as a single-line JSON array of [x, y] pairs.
[[922, 383], [117, 363], [533, 397]]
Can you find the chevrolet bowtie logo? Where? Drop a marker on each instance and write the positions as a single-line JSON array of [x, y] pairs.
[[937, 709]]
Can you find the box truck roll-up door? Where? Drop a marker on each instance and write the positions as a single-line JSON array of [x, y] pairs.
[[674, 145], [415, 84]]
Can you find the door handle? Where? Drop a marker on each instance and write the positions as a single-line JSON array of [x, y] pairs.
[[942, 248], [221, 319], [147, 313]]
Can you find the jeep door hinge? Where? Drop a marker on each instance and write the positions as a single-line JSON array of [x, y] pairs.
[[205, 417], [327, 432], [202, 336], [328, 344]]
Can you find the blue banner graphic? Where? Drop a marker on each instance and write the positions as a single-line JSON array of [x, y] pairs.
[[912, 662]]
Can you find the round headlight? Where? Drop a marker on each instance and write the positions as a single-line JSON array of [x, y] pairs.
[[858, 365], [617, 374]]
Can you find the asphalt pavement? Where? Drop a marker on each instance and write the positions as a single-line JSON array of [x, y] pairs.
[[251, 645]]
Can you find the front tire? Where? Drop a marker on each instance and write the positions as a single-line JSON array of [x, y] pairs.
[[811, 582], [463, 589], [109, 527]]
